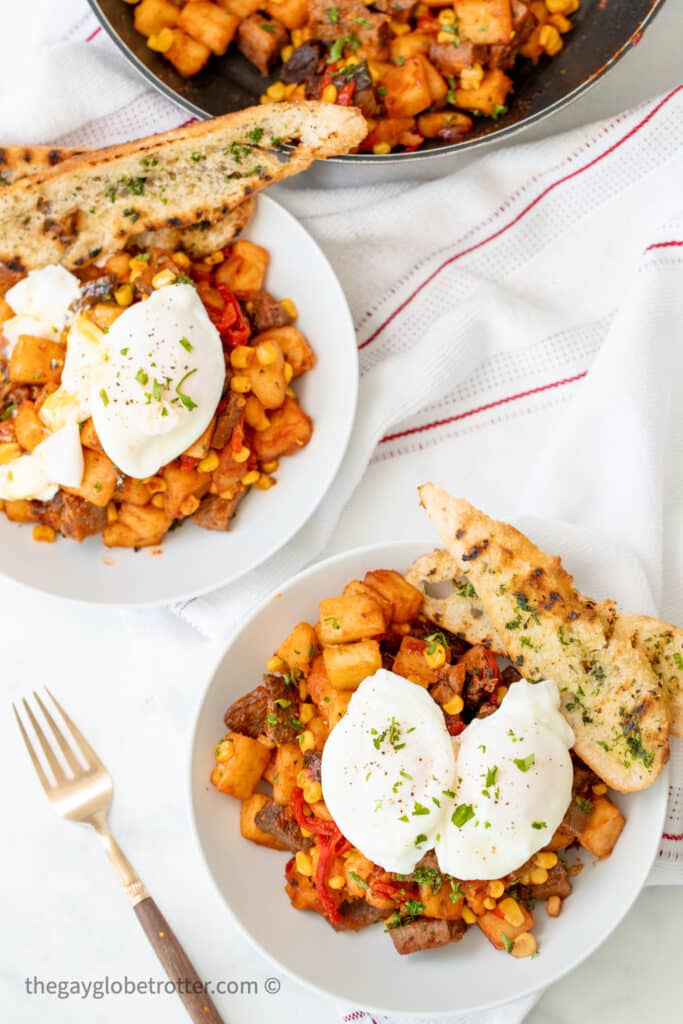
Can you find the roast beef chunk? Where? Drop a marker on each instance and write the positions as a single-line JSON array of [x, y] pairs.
[[482, 678], [73, 517], [279, 822], [216, 513], [248, 714], [451, 60], [351, 20], [450, 683], [260, 39], [227, 420], [313, 761], [524, 23], [426, 933], [282, 710], [99, 289], [510, 675], [301, 66], [557, 885], [358, 914], [263, 311]]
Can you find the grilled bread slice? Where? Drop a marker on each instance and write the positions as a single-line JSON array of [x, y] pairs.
[[21, 161], [94, 203], [610, 694], [662, 645]]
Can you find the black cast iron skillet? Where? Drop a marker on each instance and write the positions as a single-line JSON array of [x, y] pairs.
[[604, 30]]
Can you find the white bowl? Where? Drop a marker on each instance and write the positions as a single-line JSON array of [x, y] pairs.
[[193, 560], [363, 969]]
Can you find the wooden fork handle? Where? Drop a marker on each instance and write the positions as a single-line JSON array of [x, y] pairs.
[[176, 963]]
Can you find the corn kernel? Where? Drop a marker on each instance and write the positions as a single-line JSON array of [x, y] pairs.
[[242, 455], [297, 37], [468, 917], [214, 258], [381, 148], [500, 693], [471, 78], [181, 259], [446, 17], [559, 6], [162, 41], [163, 278], [553, 906], [290, 308], [489, 903], [270, 467], [276, 91], [600, 789], [137, 269], [511, 911], [561, 23], [304, 864], [123, 295], [400, 28], [189, 505], [9, 451], [112, 514], [159, 501], [208, 463], [496, 889], [435, 655], [264, 482], [156, 484], [288, 372], [446, 37], [524, 945], [274, 664], [303, 689], [539, 11], [290, 90], [285, 53], [306, 713], [336, 882], [227, 495], [241, 357], [240, 384], [307, 740], [329, 94], [255, 415], [313, 792], [546, 859], [455, 706], [551, 40], [265, 99], [212, 488], [266, 353], [250, 478], [305, 833], [44, 534], [538, 876]]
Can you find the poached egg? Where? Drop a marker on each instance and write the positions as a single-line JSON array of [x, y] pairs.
[[398, 785], [151, 383]]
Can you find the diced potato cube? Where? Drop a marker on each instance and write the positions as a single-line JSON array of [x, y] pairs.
[[153, 15], [21, 512], [410, 44], [410, 662], [260, 39], [299, 648], [290, 430], [202, 445], [89, 438], [242, 8], [343, 619], [491, 94], [209, 24], [99, 479], [437, 84], [135, 492], [240, 773], [486, 22], [407, 89], [320, 729], [137, 526], [494, 927], [182, 484], [358, 587], [268, 382], [292, 13], [439, 904], [245, 267], [248, 826], [289, 760], [335, 708], [349, 664], [187, 55], [357, 870], [603, 829], [29, 429], [449, 125], [320, 688], [406, 599], [36, 361], [293, 346]]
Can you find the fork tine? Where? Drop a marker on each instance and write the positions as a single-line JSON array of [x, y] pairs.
[[47, 786], [87, 751], [57, 770], [71, 759]]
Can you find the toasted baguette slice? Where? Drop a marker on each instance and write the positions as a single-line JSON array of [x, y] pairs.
[[22, 161], [93, 203], [200, 239], [610, 695], [461, 612]]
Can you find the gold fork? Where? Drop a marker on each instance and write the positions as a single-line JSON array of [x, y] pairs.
[[86, 796]]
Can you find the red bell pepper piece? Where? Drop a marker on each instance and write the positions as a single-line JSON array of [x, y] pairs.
[[345, 94], [188, 463], [319, 827], [237, 437], [331, 843], [229, 322], [455, 728], [428, 23]]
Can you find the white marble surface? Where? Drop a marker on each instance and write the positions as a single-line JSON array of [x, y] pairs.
[[132, 683]]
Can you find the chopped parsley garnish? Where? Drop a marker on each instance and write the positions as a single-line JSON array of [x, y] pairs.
[[144, 256], [271, 718], [110, 193], [678, 659], [419, 808], [337, 48], [283, 703], [332, 15], [434, 641], [141, 377], [419, 840], [196, 157], [414, 907], [186, 344], [466, 590], [428, 876], [358, 880], [185, 399], [9, 411], [450, 95], [333, 621], [491, 776], [255, 134], [105, 397], [584, 805], [456, 892], [238, 151], [449, 793], [267, 27], [462, 814], [382, 90], [157, 388], [507, 942], [404, 775], [498, 110], [134, 185], [131, 213], [539, 824], [98, 486], [525, 763]]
